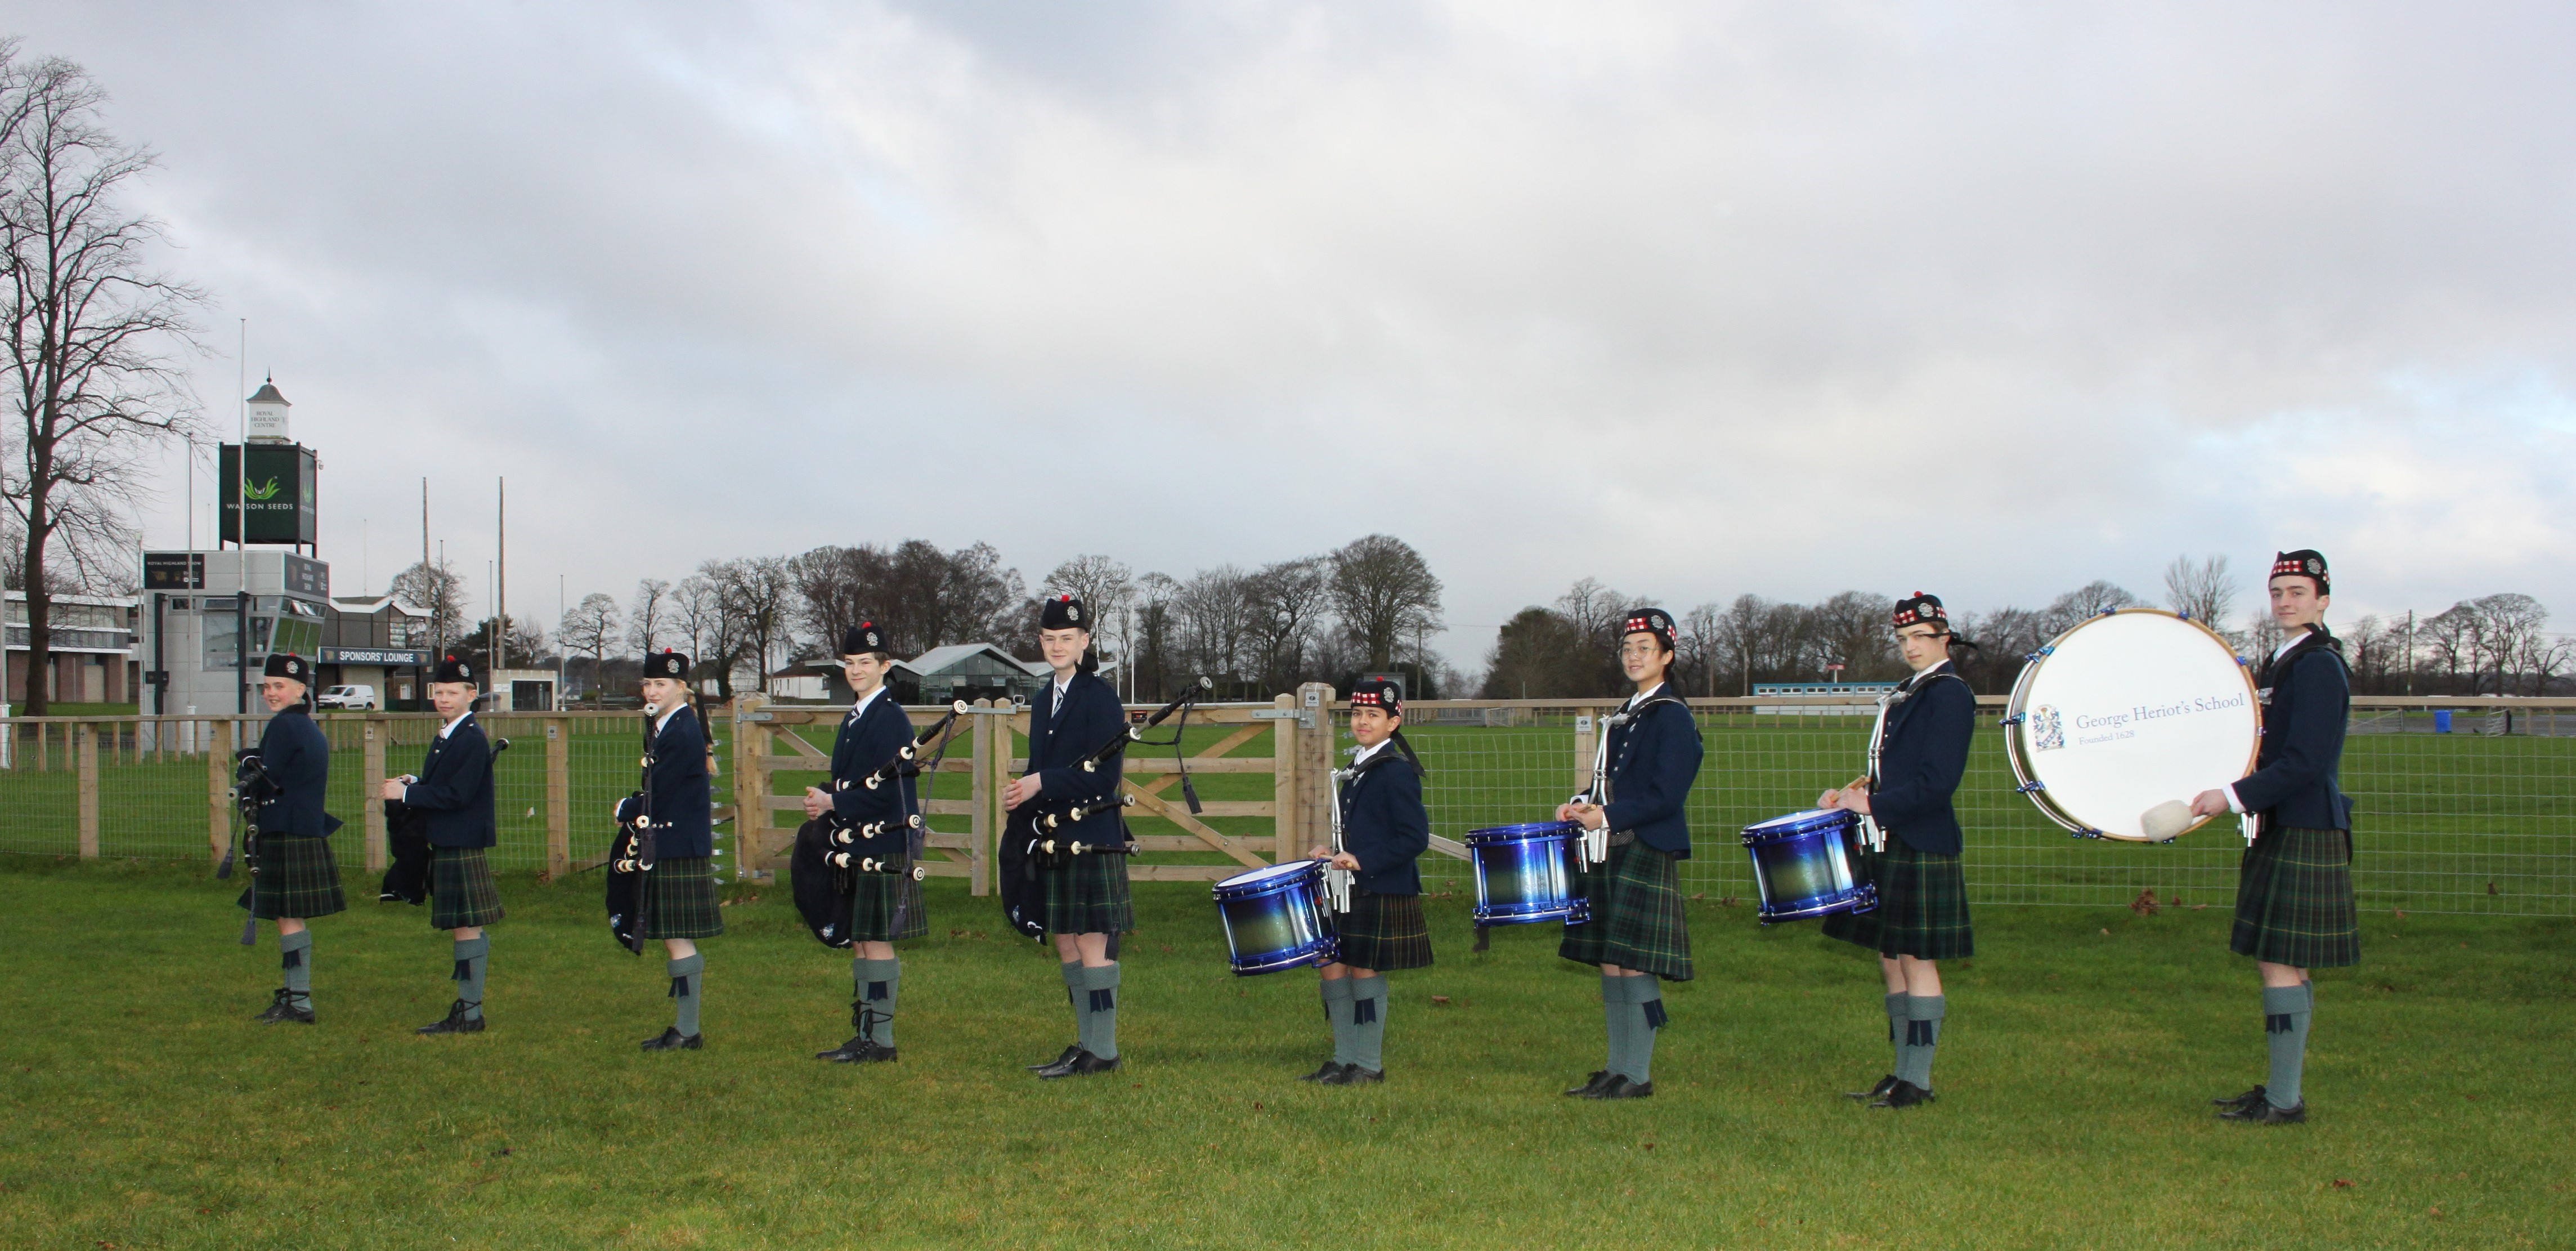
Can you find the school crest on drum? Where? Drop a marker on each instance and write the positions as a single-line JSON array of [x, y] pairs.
[[2047, 733]]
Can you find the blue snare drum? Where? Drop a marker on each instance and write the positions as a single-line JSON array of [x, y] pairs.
[[1275, 918], [1525, 874], [1803, 864]]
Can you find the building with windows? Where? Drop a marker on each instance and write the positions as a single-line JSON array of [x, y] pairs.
[[93, 659], [967, 671], [378, 641]]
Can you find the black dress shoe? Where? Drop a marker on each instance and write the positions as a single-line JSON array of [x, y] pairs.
[[870, 1053], [1619, 1087], [1061, 1060], [2243, 1101], [1083, 1064], [288, 1006], [1590, 1084], [1354, 1075], [671, 1039], [456, 1022], [1324, 1074], [2263, 1113], [1879, 1091], [1904, 1094], [845, 1053]]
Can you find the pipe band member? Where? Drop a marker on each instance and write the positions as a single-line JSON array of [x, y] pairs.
[[1922, 913], [1083, 899], [294, 879], [1638, 931], [886, 907], [2294, 905], [680, 892], [1385, 830], [454, 790]]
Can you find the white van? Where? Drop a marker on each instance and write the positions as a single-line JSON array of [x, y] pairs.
[[356, 698]]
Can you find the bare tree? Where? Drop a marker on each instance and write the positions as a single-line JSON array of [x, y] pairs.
[[1214, 618], [2204, 592], [651, 615], [592, 626], [1538, 654], [1151, 600], [713, 635], [1384, 591], [756, 593], [1290, 601], [439, 591], [88, 329]]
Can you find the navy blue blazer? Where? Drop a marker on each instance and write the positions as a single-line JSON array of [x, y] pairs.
[[455, 788], [1653, 761], [1923, 752], [683, 796], [298, 761], [1058, 742], [2296, 780], [868, 742], [1384, 825]]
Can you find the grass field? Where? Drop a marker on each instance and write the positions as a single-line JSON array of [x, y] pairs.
[[147, 1110]]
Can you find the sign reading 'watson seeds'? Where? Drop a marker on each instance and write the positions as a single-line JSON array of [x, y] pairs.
[[277, 481], [2128, 711]]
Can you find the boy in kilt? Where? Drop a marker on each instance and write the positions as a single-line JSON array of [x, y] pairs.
[[1385, 830], [1083, 897], [2294, 905], [454, 787], [885, 907], [680, 891], [1637, 931], [1922, 915], [294, 878]]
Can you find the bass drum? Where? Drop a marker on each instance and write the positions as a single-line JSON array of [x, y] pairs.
[[2127, 710]]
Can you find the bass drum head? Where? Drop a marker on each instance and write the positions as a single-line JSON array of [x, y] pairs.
[[2126, 711]]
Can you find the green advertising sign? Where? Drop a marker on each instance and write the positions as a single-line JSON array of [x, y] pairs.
[[277, 482]]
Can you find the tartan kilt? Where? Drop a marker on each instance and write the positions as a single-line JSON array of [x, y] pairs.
[[1088, 896], [874, 903], [1383, 932], [1922, 906], [680, 899], [1637, 915], [461, 889], [2294, 899], [297, 877]]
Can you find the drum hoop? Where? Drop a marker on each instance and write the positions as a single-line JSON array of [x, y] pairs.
[[1529, 832], [2018, 751], [1266, 878], [1817, 821]]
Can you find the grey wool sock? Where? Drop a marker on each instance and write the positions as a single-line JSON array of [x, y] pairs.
[[1368, 1023], [1645, 1016], [1897, 1012], [1922, 1035], [1102, 1000], [473, 956], [884, 982], [1614, 1016], [2286, 1010], [295, 959], [1077, 994], [688, 983], [1337, 1010]]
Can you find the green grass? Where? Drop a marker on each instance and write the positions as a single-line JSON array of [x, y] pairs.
[[147, 1110]]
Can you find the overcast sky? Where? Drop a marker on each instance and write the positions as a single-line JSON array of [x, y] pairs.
[[1987, 300]]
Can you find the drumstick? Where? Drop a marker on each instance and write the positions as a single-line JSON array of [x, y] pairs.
[[1856, 783]]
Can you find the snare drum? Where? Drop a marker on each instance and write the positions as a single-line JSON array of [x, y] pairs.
[[1525, 874], [1275, 918], [1803, 865]]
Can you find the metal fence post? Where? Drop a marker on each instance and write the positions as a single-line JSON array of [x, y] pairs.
[[85, 754], [373, 735], [558, 797]]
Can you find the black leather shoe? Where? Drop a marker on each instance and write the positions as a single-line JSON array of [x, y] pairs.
[[1619, 1087], [2263, 1113], [1904, 1094], [1061, 1060], [2243, 1101], [1354, 1075], [870, 1053], [1324, 1074], [846, 1052], [671, 1039], [456, 1022], [1083, 1064], [1590, 1084], [1879, 1091], [288, 1007]]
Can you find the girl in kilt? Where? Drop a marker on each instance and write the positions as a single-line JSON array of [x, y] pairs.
[[294, 879], [454, 787], [1922, 913], [1385, 830], [885, 908], [2294, 905], [1637, 931], [1082, 898], [680, 892]]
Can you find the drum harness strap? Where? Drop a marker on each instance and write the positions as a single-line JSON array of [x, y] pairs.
[[1596, 843]]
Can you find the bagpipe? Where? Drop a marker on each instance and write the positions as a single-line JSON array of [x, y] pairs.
[[407, 843], [251, 787], [632, 854], [832, 851], [1022, 834]]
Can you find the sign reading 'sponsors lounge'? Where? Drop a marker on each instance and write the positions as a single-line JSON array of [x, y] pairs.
[[373, 656]]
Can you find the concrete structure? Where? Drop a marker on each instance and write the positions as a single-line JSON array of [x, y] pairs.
[[198, 608], [519, 690], [93, 650]]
